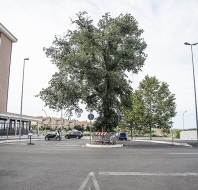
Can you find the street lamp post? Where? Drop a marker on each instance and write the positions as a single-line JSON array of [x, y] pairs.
[[22, 98], [61, 119], [44, 112], [186, 43], [46, 116], [183, 118]]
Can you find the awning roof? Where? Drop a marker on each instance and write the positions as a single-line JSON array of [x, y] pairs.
[[8, 115]]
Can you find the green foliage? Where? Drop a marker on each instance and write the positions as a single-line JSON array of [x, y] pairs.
[[87, 128], [86, 133], [177, 133], [153, 106], [63, 133], [34, 127], [158, 101], [78, 127], [91, 62]]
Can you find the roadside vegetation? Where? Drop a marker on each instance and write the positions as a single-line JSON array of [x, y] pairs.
[[94, 65], [92, 61]]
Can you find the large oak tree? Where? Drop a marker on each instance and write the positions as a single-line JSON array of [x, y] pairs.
[[92, 62]]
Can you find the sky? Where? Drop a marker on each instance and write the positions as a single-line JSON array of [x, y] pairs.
[[167, 24]]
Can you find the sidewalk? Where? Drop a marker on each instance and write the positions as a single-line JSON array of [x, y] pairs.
[[168, 141], [15, 138]]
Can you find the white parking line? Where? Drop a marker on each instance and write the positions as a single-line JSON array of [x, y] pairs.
[[90, 175], [145, 174], [183, 153]]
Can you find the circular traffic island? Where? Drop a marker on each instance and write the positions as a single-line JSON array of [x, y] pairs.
[[103, 140], [104, 145]]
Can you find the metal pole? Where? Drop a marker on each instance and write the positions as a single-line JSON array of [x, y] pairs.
[[90, 130], [172, 131], [44, 112], [61, 123], [183, 119], [195, 92], [61, 119], [8, 124], [46, 116], [22, 98], [186, 43]]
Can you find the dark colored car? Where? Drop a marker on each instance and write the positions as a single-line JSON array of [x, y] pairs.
[[122, 136], [74, 134], [52, 135]]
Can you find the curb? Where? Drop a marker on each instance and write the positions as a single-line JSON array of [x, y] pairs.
[[104, 146], [18, 140], [165, 142], [11, 141]]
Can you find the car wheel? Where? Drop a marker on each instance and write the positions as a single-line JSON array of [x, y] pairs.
[[66, 137], [77, 137], [125, 139], [47, 138]]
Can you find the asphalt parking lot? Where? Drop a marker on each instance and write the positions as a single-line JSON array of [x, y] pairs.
[[69, 164]]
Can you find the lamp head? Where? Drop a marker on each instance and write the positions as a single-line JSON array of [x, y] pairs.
[[186, 43], [194, 44], [26, 59]]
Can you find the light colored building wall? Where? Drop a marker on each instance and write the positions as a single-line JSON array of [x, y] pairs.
[[62, 123], [73, 123], [6, 40], [5, 57], [188, 135]]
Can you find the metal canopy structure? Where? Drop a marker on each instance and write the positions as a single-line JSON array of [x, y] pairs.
[[14, 116], [9, 123]]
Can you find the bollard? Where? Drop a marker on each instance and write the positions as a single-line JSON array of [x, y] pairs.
[[30, 135]]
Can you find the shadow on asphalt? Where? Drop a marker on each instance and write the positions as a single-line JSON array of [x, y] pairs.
[[147, 145], [139, 144]]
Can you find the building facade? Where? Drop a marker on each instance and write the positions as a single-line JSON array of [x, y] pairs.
[[6, 41], [10, 122]]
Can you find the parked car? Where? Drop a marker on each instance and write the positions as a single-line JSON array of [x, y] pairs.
[[52, 135], [122, 136], [74, 134]]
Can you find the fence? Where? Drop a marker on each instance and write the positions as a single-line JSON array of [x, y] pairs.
[[103, 138]]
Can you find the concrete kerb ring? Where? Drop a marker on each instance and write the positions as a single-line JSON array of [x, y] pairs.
[[104, 146]]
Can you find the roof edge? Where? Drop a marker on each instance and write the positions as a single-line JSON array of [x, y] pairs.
[[4, 30]]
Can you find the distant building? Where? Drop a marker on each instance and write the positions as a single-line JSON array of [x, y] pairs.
[[85, 124], [6, 40], [73, 123], [52, 123]]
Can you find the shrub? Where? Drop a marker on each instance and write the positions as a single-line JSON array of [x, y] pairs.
[[177, 133]]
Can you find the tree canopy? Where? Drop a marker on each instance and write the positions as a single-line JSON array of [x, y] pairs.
[[153, 105], [92, 62]]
